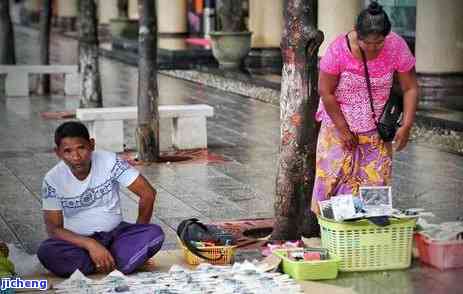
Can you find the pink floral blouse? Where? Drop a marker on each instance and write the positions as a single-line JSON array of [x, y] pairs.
[[351, 92]]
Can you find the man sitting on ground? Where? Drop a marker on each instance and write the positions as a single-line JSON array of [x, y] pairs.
[[82, 213]]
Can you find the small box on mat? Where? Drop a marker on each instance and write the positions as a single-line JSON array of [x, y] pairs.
[[308, 270], [440, 254]]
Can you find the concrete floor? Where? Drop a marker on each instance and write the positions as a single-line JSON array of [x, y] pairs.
[[244, 131]]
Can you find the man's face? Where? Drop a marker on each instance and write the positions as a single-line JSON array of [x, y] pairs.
[[76, 152]]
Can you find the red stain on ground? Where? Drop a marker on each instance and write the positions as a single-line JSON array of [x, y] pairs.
[[200, 156], [239, 227], [58, 114]]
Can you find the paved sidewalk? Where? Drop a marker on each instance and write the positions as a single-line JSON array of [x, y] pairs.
[[244, 131]]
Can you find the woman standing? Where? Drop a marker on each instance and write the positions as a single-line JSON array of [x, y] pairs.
[[350, 152]]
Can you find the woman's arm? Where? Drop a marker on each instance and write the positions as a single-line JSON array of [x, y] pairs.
[[326, 87], [409, 87]]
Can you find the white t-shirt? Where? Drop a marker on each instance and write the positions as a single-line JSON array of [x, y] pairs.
[[91, 205]]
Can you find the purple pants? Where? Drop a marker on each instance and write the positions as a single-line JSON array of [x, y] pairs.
[[130, 245]]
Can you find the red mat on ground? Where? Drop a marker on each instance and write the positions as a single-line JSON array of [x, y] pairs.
[[58, 114], [198, 42], [178, 157], [249, 233]]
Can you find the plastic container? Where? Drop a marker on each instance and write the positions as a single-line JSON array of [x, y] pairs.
[[308, 270], [218, 254], [363, 246], [440, 254]]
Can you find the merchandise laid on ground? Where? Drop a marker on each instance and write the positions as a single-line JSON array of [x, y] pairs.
[[206, 263], [373, 243], [241, 278]]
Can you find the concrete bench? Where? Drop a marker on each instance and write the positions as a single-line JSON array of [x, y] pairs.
[[17, 77], [181, 126]]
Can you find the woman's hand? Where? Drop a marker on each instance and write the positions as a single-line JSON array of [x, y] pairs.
[[401, 138], [349, 140], [102, 258]]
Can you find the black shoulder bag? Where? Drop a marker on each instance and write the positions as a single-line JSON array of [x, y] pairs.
[[391, 117], [192, 230]]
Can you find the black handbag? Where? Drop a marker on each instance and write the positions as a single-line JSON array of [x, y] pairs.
[[192, 230], [391, 117]]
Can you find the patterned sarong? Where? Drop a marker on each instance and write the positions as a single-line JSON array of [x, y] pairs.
[[341, 171]]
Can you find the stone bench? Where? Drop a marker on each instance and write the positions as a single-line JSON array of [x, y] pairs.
[[180, 126], [17, 77]]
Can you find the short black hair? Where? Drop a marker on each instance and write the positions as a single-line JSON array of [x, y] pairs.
[[373, 20], [71, 129]]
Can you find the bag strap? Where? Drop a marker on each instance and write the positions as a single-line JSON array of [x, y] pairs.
[[367, 78]]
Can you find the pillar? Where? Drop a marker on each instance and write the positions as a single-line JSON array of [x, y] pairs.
[[266, 27], [172, 15], [32, 8], [336, 17], [33, 5], [67, 8], [439, 36], [107, 9], [133, 9], [66, 13]]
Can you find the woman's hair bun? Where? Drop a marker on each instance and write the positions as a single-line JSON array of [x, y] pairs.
[[374, 8]]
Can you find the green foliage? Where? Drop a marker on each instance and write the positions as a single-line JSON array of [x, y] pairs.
[[6, 267]]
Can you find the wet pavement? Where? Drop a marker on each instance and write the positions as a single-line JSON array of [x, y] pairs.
[[244, 131]]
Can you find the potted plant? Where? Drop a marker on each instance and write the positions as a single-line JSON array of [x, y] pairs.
[[122, 26], [231, 42]]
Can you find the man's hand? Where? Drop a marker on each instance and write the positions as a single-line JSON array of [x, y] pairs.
[[401, 138], [102, 258]]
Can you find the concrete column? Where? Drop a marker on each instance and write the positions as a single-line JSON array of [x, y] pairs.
[[67, 8], [266, 23], [172, 16], [439, 36], [336, 17], [66, 14], [133, 9], [32, 9], [33, 5], [107, 9]]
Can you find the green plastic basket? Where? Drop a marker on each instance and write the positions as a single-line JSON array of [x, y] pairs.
[[308, 270], [363, 246]]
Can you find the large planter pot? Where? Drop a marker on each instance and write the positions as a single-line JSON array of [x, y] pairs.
[[124, 27], [230, 48]]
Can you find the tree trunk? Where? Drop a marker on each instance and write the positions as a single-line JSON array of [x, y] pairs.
[[147, 132], [45, 22], [88, 55], [7, 52], [298, 103]]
